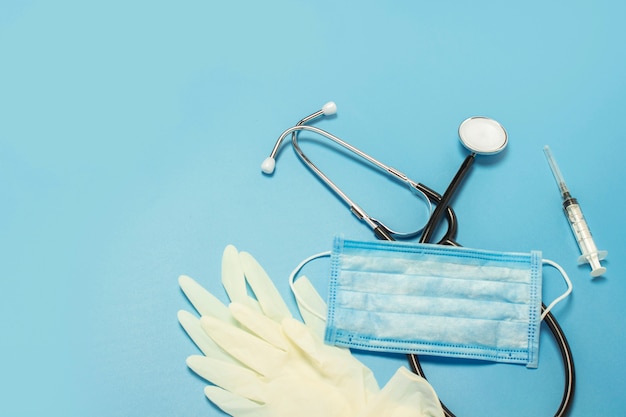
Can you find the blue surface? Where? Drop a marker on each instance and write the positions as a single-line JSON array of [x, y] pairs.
[[131, 135]]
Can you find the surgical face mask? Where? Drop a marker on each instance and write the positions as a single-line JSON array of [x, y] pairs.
[[436, 300]]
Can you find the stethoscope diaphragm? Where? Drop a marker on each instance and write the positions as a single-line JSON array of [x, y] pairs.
[[483, 135]]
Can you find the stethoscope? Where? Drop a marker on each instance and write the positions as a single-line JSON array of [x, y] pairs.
[[481, 136]]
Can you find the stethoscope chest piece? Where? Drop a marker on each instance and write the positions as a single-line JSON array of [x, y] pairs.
[[483, 135]]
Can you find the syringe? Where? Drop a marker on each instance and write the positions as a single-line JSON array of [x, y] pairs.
[[574, 214]]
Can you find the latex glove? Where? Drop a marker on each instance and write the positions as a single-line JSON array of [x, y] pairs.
[[405, 395], [286, 370], [241, 271], [265, 363]]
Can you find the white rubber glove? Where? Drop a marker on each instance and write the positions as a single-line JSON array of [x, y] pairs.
[[265, 363], [405, 395]]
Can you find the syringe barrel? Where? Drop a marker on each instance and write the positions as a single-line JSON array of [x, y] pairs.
[[579, 227]]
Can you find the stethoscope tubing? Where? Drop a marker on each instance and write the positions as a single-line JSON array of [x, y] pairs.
[[443, 203]]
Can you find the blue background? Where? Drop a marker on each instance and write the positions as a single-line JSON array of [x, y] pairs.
[[131, 134]]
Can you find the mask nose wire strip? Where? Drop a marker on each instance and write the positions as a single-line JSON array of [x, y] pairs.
[[562, 296]]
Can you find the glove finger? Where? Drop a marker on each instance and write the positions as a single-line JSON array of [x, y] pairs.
[[262, 326], [269, 298], [232, 404], [203, 301], [405, 395], [234, 280], [311, 306], [250, 350], [191, 325], [311, 345], [231, 377], [356, 381]]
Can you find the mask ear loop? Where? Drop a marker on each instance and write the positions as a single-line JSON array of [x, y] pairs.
[[292, 285], [562, 296]]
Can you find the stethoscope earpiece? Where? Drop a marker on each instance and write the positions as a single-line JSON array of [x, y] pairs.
[[329, 108], [268, 165]]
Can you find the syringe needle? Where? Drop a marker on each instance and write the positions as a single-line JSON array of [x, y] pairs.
[[556, 171], [574, 214]]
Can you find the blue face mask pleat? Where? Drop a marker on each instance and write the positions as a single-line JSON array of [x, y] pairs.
[[435, 300]]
